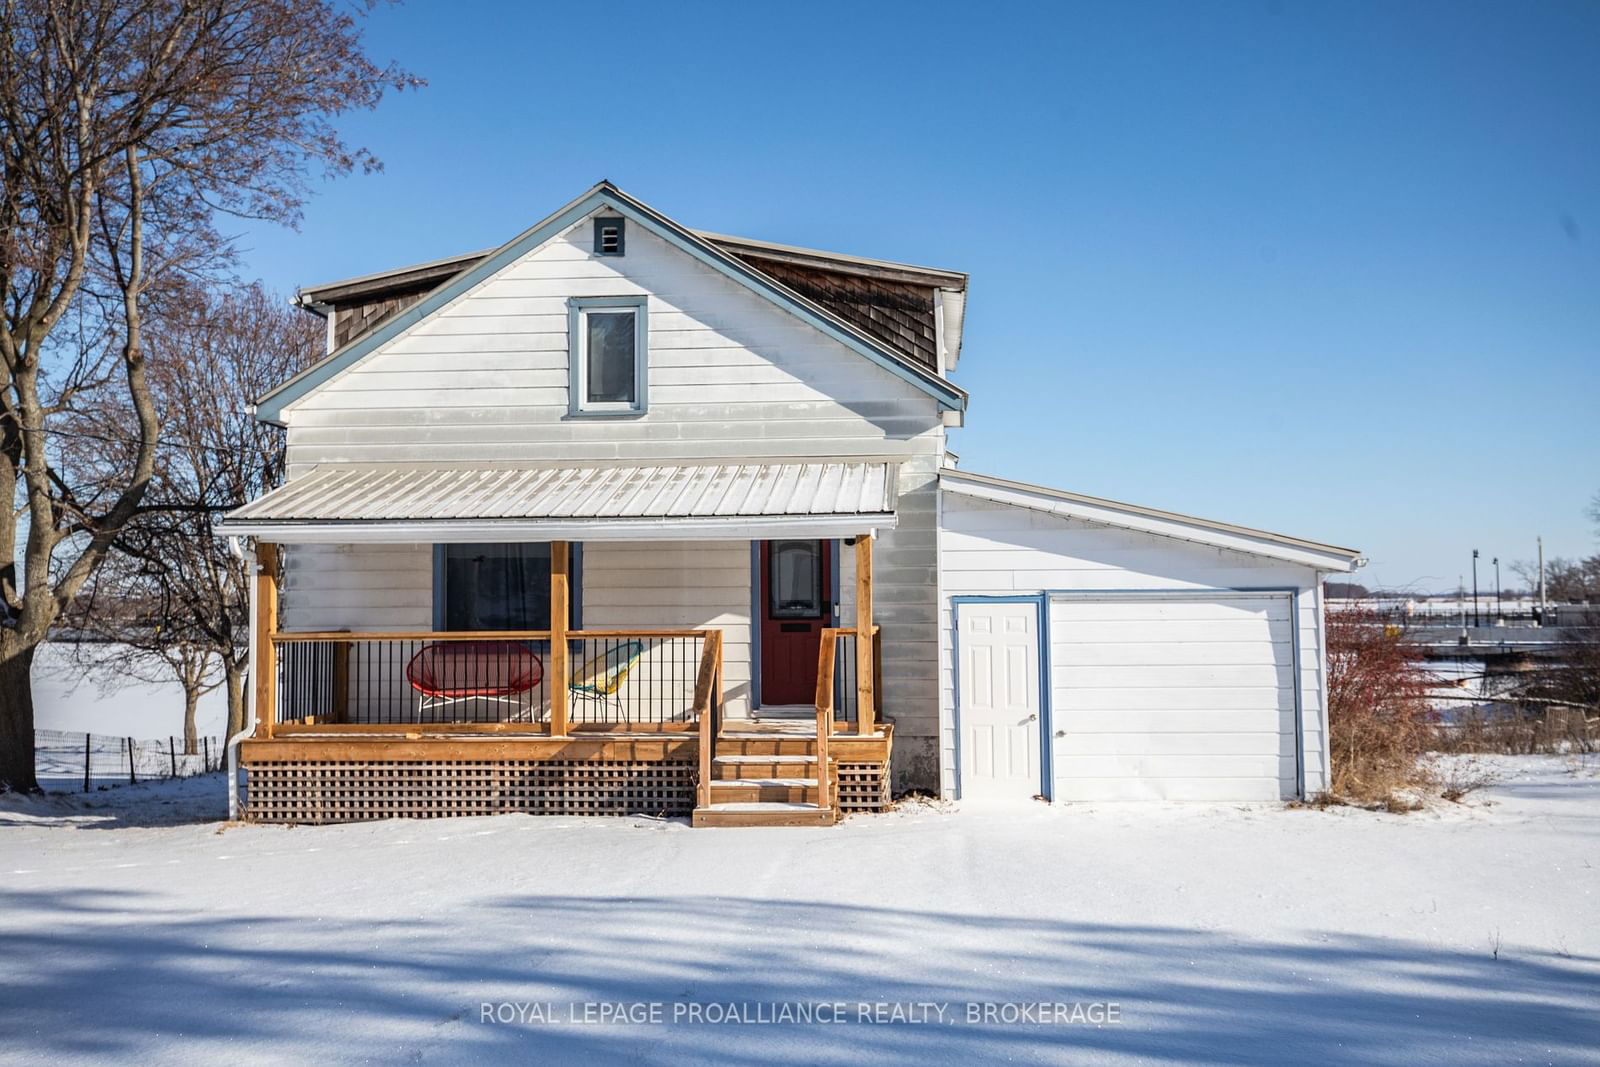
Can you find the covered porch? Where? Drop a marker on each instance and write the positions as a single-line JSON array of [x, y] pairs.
[[615, 704]]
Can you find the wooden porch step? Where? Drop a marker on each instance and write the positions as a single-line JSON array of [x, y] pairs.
[[768, 728], [765, 745], [725, 768], [786, 712], [752, 728], [764, 790], [764, 814]]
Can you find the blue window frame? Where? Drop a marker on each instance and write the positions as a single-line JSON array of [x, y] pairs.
[[606, 354]]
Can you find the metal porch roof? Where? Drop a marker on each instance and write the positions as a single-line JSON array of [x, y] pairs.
[[621, 502]]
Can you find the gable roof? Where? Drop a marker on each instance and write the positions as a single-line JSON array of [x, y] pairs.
[[915, 311], [743, 247], [270, 407], [1151, 520]]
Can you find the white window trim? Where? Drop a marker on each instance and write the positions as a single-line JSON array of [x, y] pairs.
[[578, 309]]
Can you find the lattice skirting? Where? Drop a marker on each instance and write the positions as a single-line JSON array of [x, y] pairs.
[[862, 787], [297, 791]]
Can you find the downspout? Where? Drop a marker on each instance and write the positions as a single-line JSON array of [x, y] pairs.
[[232, 747]]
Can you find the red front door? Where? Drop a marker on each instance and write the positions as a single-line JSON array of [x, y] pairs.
[[796, 603]]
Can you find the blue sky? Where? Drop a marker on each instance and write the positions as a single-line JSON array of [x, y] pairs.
[[1328, 269]]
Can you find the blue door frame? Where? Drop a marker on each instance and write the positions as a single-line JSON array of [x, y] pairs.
[[1046, 715]]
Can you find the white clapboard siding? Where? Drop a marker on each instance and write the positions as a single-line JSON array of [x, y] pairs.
[[670, 585], [358, 587], [991, 549], [730, 375]]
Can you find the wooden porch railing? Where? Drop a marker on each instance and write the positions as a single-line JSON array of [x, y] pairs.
[[839, 675], [708, 710], [525, 681], [825, 658], [848, 696]]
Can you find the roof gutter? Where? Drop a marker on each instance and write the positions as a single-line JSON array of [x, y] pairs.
[[474, 531]]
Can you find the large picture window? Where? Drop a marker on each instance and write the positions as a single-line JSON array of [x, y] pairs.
[[606, 349], [494, 587]]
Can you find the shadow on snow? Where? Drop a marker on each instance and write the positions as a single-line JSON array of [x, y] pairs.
[[93, 973]]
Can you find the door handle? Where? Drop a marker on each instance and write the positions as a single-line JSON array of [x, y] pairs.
[[1031, 718]]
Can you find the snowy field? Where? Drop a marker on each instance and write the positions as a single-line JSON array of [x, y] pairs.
[[135, 928], [65, 699]]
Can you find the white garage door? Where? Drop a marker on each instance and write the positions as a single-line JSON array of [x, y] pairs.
[[1173, 696]]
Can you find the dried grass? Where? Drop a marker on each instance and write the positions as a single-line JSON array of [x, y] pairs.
[[1456, 777], [1520, 732], [1379, 723]]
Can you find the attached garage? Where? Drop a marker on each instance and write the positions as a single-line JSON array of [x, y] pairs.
[[1094, 651], [1174, 696]]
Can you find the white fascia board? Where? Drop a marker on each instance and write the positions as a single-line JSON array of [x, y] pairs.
[[473, 531], [1200, 532], [953, 308]]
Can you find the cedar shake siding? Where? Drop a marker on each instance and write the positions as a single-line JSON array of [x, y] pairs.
[[364, 314], [898, 314]]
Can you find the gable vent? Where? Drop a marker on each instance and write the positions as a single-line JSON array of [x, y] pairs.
[[609, 236]]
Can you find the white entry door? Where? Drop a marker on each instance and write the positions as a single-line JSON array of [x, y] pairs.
[[999, 714]]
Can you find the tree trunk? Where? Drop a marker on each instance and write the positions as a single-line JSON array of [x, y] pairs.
[[16, 719], [235, 674], [191, 701]]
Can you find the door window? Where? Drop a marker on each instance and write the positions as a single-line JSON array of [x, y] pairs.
[[794, 582]]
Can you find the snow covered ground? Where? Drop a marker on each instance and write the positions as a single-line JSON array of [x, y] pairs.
[[135, 927]]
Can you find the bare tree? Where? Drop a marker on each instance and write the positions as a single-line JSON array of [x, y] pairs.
[[125, 127], [172, 600], [1566, 580]]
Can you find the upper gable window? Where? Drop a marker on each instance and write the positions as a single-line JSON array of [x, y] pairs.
[[606, 349], [610, 236]]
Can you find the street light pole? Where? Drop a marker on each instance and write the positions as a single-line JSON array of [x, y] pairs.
[[1475, 588], [1541, 581], [1497, 603]]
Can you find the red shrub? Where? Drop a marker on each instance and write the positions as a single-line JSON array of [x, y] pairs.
[[1379, 722]]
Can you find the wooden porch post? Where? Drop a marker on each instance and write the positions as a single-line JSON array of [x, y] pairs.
[[266, 665], [560, 612], [866, 709], [341, 681]]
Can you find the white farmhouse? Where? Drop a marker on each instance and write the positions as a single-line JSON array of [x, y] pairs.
[[621, 516]]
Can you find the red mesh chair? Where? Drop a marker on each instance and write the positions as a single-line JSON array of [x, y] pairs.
[[454, 671]]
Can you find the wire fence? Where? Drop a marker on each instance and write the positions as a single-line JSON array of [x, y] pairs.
[[63, 758]]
